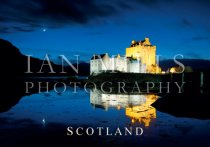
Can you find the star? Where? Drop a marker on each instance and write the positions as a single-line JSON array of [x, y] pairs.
[[44, 29], [43, 121]]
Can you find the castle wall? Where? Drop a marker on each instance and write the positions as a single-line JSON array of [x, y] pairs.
[[144, 53], [117, 64], [95, 66], [99, 65], [136, 67], [120, 64]]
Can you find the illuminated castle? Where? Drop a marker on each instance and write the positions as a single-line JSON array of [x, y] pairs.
[[140, 58], [145, 52]]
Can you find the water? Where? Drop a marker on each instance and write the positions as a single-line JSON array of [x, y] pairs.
[[45, 117]]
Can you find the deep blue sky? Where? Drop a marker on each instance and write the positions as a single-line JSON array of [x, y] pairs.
[[87, 27]]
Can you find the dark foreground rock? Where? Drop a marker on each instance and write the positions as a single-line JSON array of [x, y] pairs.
[[185, 105]]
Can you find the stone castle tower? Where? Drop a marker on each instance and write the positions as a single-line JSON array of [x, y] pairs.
[[144, 51]]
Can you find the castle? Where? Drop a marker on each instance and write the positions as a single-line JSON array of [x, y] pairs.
[[140, 58]]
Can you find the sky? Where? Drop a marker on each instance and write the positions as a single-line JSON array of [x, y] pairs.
[[87, 27]]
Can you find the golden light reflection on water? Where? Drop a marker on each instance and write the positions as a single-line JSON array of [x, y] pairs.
[[143, 113], [137, 107]]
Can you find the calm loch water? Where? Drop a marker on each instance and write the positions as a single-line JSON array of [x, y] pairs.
[[44, 118]]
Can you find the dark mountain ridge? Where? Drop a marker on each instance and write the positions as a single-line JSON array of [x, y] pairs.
[[14, 64], [197, 65]]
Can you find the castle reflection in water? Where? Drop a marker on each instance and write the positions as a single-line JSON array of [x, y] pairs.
[[137, 107]]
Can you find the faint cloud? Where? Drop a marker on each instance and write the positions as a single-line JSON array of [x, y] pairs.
[[193, 55], [147, 2], [63, 12], [21, 29], [198, 38], [186, 23], [95, 33], [4, 30]]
